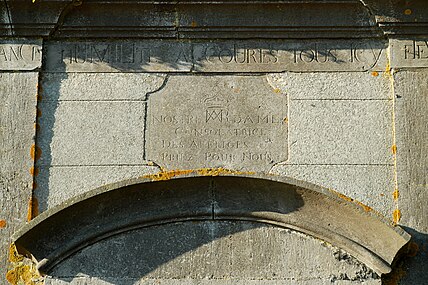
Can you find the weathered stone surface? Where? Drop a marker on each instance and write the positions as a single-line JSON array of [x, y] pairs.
[[298, 56], [411, 88], [20, 54], [412, 146], [215, 56], [91, 133], [333, 85], [159, 199], [99, 86], [94, 119], [188, 281], [236, 122], [17, 114], [371, 185], [117, 56], [212, 252], [52, 190], [328, 57], [340, 132], [409, 53]]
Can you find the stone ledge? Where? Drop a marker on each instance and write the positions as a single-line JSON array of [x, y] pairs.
[[191, 19]]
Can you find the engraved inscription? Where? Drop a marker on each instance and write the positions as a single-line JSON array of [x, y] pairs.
[[286, 56], [108, 53], [219, 56], [417, 50], [238, 55], [222, 121], [409, 53], [20, 56], [118, 56]]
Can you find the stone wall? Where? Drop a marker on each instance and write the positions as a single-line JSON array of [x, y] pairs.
[[107, 95]]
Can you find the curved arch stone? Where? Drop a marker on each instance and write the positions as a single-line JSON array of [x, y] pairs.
[[60, 232]]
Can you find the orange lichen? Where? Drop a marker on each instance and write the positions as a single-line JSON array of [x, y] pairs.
[[14, 256], [394, 149], [33, 208], [34, 171], [396, 215], [35, 152], [396, 194], [344, 197], [363, 206], [407, 12], [166, 175], [36, 127], [24, 270], [375, 73], [219, 171], [356, 202], [387, 72], [3, 224]]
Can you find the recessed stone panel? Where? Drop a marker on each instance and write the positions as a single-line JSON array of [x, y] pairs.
[[91, 133], [371, 185], [237, 122], [341, 132], [333, 85]]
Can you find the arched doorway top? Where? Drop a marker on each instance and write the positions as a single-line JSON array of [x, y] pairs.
[[211, 194]]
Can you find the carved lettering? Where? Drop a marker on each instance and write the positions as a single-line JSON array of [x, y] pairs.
[[20, 54], [90, 53], [240, 55], [16, 53], [418, 50], [222, 127], [221, 56]]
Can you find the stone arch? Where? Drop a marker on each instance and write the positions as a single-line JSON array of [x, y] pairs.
[[122, 207]]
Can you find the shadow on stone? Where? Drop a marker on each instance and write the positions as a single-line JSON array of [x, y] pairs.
[[87, 220], [412, 266]]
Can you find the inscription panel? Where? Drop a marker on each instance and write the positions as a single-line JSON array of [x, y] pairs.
[[409, 53], [219, 56], [20, 54], [236, 122], [117, 56], [277, 56]]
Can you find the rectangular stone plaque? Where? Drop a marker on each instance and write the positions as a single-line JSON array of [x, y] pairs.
[[219, 56], [409, 53], [235, 122], [20, 54]]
